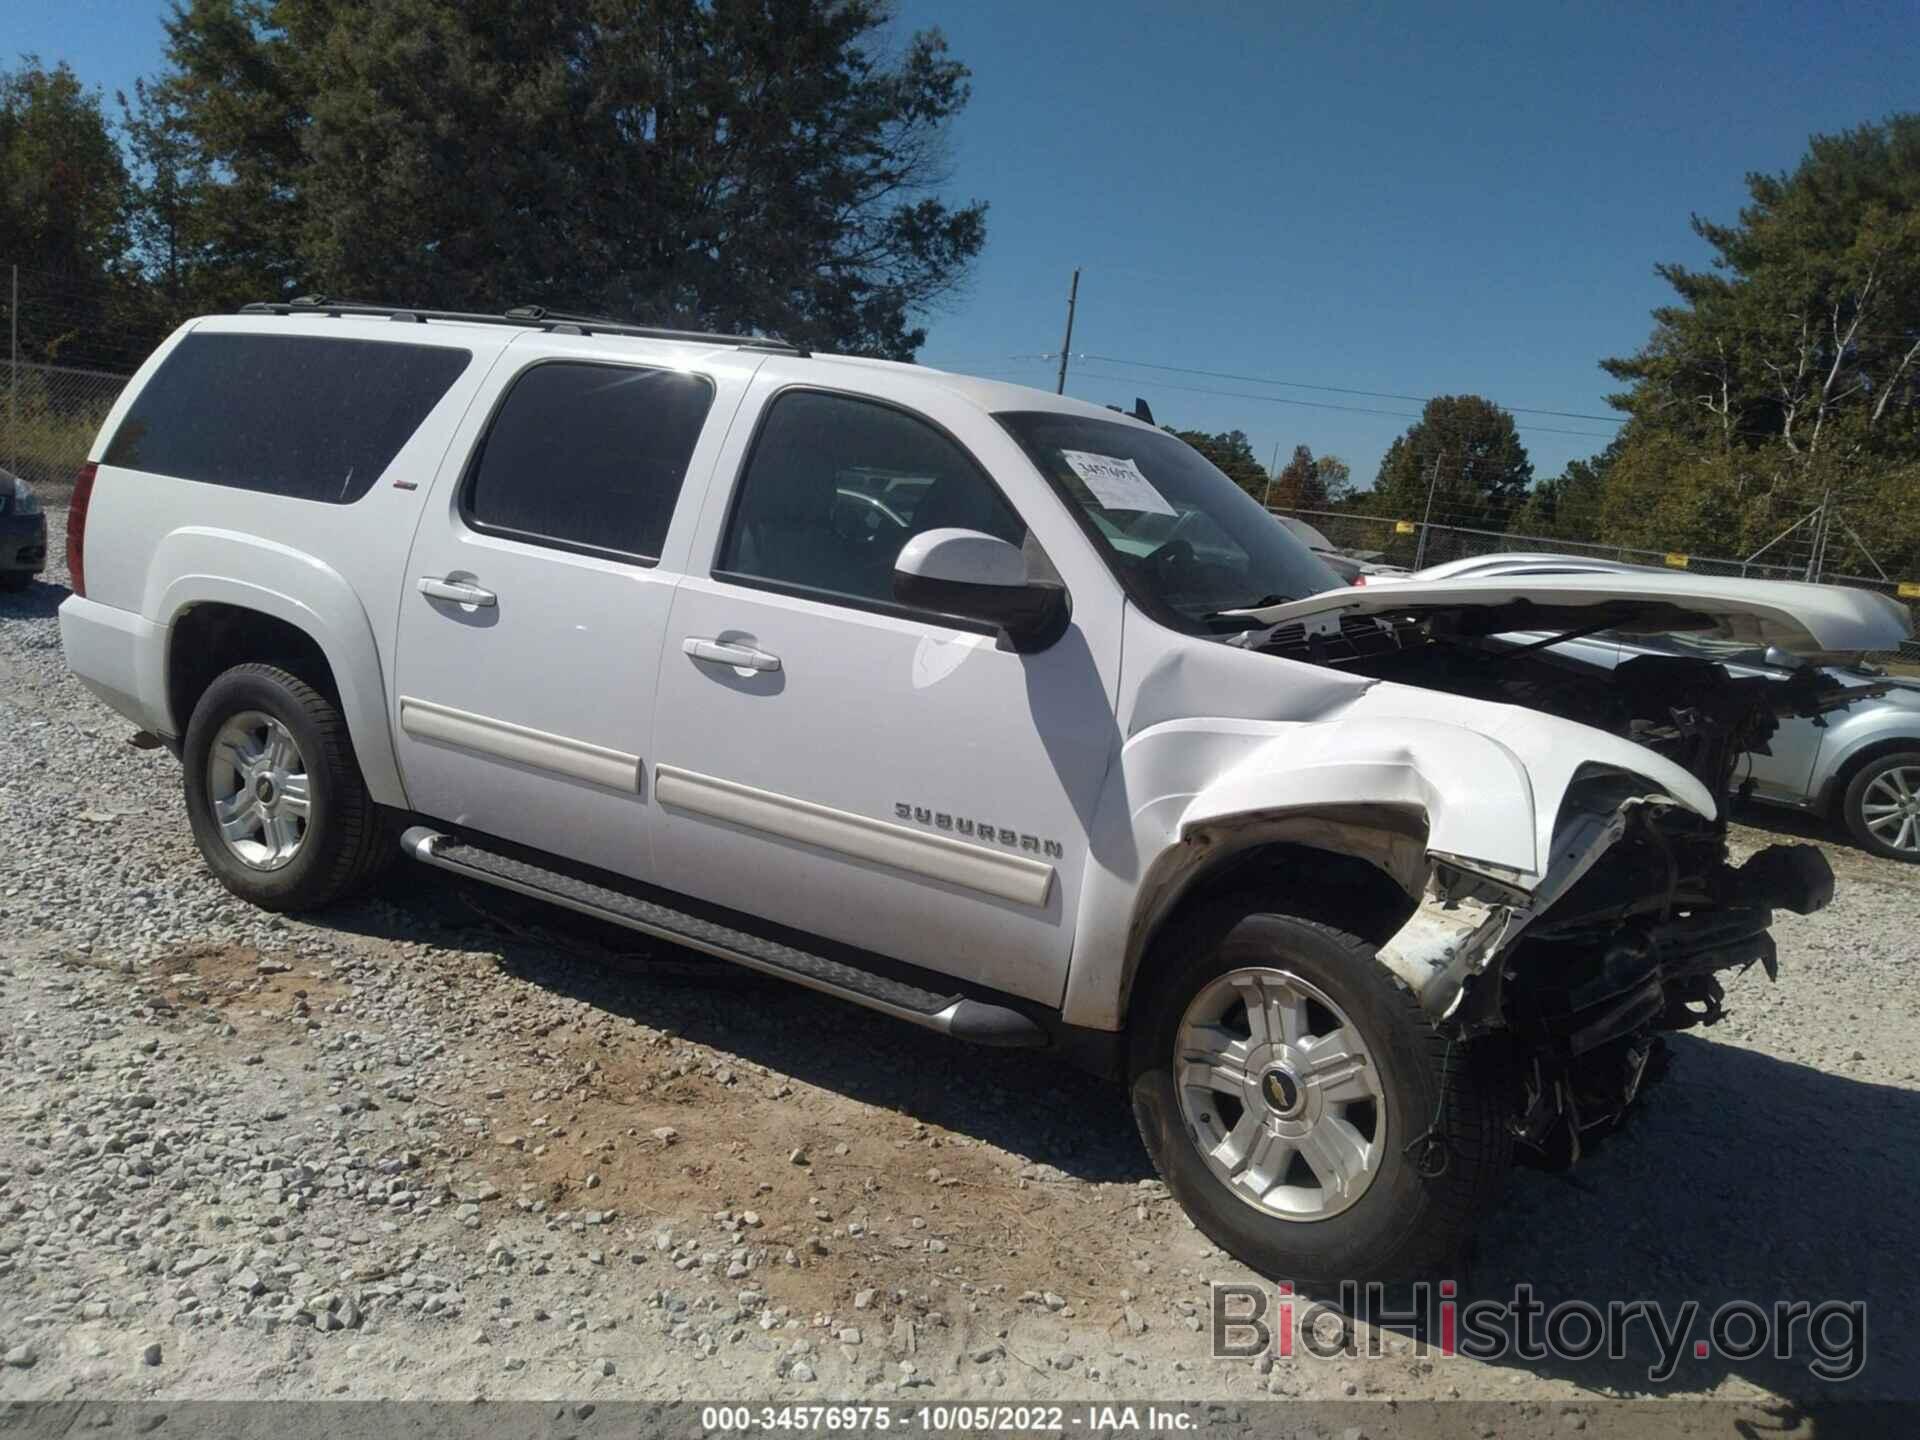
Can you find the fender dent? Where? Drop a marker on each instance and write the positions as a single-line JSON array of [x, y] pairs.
[[1449, 940]]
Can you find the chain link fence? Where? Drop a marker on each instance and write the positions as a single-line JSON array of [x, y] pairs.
[[1417, 545], [49, 415]]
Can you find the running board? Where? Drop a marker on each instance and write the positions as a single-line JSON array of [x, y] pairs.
[[951, 1014]]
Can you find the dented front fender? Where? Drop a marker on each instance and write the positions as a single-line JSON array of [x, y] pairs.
[[1450, 938]]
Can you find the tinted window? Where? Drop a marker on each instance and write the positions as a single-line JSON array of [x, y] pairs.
[[1186, 542], [301, 415], [588, 457], [835, 486]]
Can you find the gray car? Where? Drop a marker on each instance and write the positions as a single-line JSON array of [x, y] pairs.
[[23, 534], [1859, 766], [1356, 567]]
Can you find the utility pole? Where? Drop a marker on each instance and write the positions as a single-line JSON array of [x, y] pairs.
[[13, 372], [1073, 296], [1816, 551], [1267, 499], [1426, 521]]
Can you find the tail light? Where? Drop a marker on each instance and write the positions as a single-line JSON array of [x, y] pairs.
[[1359, 579], [77, 528]]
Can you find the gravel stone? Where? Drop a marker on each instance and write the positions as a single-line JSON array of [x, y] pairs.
[[253, 1135]]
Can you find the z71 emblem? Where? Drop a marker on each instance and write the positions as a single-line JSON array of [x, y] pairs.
[[970, 829]]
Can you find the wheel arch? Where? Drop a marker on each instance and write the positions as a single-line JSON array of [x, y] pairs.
[[1347, 807], [1362, 866], [1833, 794], [242, 588]]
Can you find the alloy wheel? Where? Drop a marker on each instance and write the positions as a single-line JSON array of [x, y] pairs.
[[1280, 1094], [261, 796], [1890, 807]]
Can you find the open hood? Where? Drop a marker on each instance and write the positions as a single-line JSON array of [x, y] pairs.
[[1822, 622]]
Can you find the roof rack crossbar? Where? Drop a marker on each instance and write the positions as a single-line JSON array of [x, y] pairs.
[[531, 317]]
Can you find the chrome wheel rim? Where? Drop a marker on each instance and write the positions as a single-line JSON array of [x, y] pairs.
[[1890, 808], [257, 784], [1280, 1094]]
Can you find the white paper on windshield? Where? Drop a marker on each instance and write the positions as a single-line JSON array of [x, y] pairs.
[[1116, 482]]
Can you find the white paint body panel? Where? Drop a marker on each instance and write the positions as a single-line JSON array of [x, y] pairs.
[[869, 712], [569, 650], [966, 865], [156, 545], [1813, 620]]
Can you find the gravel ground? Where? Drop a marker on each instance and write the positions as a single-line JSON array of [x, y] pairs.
[[444, 1144]]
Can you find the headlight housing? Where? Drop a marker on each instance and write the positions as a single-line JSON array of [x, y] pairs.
[[25, 502]]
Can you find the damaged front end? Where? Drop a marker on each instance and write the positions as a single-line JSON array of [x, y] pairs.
[[1623, 938], [1614, 917], [1638, 909]]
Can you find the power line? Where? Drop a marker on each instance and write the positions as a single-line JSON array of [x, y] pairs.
[[1325, 404], [1328, 389]]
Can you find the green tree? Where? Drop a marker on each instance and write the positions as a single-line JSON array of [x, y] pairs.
[[63, 202], [1568, 506], [1297, 486], [1232, 453], [1789, 372], [739, 164], [1464, 449], [1334, 477]]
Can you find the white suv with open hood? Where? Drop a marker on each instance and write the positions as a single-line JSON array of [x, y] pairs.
[[999, 713]]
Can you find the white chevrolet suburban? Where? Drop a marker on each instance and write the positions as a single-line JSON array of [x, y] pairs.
[[1002, 714]]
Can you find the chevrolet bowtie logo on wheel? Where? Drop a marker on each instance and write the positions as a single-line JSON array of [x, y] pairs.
[[1282, 1090]]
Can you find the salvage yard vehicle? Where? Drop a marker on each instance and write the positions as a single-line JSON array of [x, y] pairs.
[[1086, 753]]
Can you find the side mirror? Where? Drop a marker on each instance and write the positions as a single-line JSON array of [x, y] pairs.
[[977, 577]]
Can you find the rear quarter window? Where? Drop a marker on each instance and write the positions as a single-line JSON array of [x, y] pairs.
[[306, 416]]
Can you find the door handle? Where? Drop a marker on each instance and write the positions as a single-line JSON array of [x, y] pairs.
[[435, 588], [743, 657]]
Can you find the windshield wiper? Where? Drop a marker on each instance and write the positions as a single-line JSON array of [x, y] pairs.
[[1227, 619], [1260, 604]]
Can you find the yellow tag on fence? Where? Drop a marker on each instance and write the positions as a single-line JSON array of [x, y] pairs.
[[1404, 527], [1677, 560], [1909, 590]]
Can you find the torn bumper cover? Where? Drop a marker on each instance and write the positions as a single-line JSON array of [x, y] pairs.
[[1468, 918]]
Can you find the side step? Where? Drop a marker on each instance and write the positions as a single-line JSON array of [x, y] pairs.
[[951, 1014]]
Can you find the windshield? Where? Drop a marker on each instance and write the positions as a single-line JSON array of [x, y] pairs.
[[1184, 539]]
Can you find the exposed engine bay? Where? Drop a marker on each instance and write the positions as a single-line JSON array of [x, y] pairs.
[[1572, 984]]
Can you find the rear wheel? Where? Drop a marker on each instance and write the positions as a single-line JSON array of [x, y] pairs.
[[274, 793], [1882, 806], [1303, 1109]]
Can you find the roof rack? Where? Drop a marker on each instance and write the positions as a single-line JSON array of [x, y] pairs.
[[531, 317]]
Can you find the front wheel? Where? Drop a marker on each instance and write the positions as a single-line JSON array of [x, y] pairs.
[[1303, 1109], [274, 793], [1882, 806]]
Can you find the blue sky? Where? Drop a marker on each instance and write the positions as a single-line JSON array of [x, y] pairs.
[[1394, 198]]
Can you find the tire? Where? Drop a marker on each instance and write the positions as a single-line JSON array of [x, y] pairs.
[[1402, 1224], [1880, 783], [339, 840]]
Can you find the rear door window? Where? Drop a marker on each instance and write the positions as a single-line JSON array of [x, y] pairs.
[[307, 416], [587, 457]]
